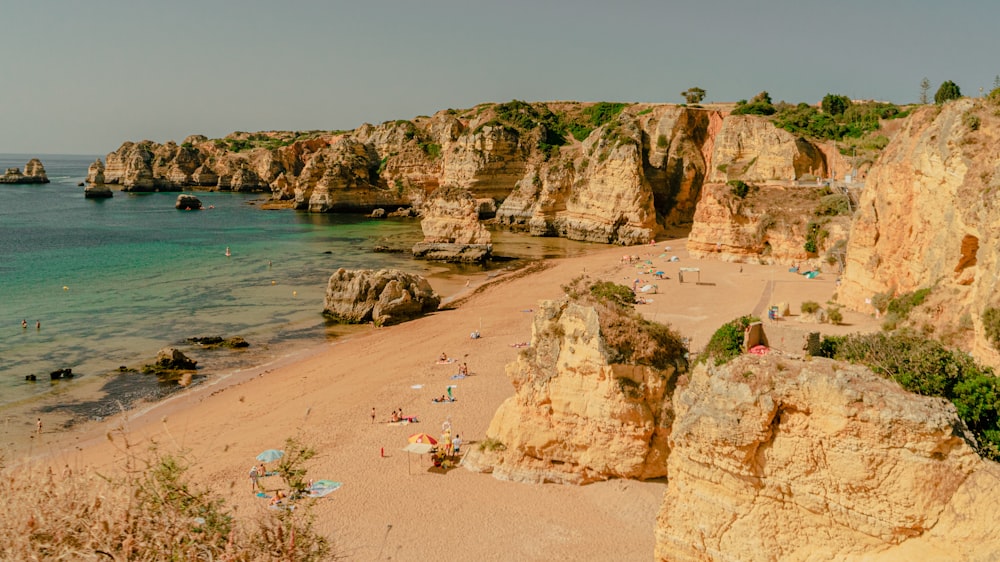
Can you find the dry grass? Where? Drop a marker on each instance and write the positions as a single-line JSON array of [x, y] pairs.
[[149, 512]]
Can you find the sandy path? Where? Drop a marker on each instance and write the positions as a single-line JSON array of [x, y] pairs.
[[324, 398]]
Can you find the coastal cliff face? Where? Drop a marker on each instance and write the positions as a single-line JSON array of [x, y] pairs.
[[636, 170], [929, 218], [775, 459], [771, 221], [578, 415]]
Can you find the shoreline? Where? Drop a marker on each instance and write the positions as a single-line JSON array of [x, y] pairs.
[[19, 446], [390, 503]]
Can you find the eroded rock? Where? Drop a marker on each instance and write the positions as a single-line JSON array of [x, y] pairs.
[[386, 296]]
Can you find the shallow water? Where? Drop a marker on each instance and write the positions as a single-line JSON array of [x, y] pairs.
[[112, 281]]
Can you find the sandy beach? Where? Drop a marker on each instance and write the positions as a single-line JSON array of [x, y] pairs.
[[390, 506]]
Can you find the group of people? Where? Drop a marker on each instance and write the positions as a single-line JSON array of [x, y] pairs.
[[397, 416], [24, 324]]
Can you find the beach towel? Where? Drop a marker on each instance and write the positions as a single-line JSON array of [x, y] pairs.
[[445, 362], [417, 386], [457, 377], [321, 488]]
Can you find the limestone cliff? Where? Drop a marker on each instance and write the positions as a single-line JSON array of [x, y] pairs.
[[929, 218], [770, 222], [601, 172], [582, 411], [452, 231], [775, 459]]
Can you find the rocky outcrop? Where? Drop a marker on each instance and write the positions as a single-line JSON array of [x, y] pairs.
[[97, 191], [775, 459], [385, 297], [581, 411], [95, 173], [34, 172], [771, 222], [187, 202], [172, 358], [929, 218], [452, 231], [628, 177], [753, 149]]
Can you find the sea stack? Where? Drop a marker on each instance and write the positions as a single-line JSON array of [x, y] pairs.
[[34, 172]]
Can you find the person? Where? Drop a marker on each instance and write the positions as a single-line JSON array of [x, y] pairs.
[[38, 324], [395, 417], [464, 369], [443, 358], [279, 496], [456, 443], [24, 323], [39, 425], [261, 471], [254, 475], [373, 415]]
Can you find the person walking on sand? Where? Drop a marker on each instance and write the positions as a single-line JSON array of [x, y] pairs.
[[39, 425], [254, 476], [373, 415]]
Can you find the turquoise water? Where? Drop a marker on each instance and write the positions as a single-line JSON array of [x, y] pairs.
[[112, 281]]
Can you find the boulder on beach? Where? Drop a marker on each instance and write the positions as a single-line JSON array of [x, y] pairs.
[[386, 296]]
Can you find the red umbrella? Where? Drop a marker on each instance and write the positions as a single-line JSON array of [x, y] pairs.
[[422, 438]]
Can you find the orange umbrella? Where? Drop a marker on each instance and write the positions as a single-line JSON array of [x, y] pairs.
[[422, 438]]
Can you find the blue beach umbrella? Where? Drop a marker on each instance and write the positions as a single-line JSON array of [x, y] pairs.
[[270, 455]]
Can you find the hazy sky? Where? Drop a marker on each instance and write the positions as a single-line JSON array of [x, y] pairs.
[[81, 77]]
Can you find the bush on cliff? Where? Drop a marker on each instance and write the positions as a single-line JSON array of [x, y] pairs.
[[946, 92], [927, 367], [630, 338], [727, 342]]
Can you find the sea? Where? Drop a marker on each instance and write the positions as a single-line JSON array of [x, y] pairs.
[[103, 284]]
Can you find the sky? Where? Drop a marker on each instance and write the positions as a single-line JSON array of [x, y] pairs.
[[82, 77]]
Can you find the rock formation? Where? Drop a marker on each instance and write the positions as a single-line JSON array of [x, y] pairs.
[[583, 409], [770, 223], [452, 231], [187, 202], [929, 218], [775, 459], [173, 358], [629, 175], [387, 296], [34, 172]]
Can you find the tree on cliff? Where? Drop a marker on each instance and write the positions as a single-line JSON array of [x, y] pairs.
[[835, 104], [760, 105], [948, 91], [925, 86], [693, 95]]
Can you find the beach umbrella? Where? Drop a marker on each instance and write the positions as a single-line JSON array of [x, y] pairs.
[[418, 448], [270, 455], [422, 438]]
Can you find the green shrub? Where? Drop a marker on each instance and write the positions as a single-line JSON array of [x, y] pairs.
[[739, 188], [661, 141], [606, 291], [835, 316], [903, 304], [881, 301], [970, 120], [727, 342], [809, 307], [834, 104], [491, 444], [833, 205], [991, 325]]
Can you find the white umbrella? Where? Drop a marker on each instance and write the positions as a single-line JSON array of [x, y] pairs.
[[418, 448]]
